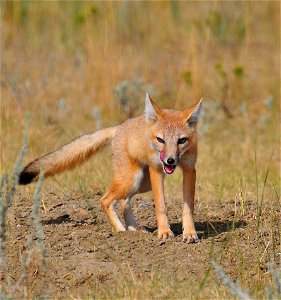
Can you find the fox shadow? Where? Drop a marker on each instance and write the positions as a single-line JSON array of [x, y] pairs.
[[207, 229], [59, 220]]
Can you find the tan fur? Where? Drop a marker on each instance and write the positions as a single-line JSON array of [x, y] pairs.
[[71, 155], [138, 164]]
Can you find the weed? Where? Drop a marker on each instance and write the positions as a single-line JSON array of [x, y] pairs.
[[235, 289], [273, 292], [7, 192]]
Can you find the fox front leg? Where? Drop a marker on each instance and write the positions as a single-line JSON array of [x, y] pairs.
[[157, 184], [189, 232]]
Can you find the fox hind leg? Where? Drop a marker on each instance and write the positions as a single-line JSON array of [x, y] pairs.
[[142, 184], [107, 202], [128, 215], [123, 187]]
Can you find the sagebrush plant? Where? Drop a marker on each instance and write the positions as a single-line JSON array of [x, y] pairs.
[[130, 94]]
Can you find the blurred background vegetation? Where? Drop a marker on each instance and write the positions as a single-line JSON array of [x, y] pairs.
[[77, 66]]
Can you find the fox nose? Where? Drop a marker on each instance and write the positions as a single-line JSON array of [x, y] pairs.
[[170, 161]]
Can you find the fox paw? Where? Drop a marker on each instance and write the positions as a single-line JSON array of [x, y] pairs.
[[138, 228], [190, 238], [133, 228], [165, 234]]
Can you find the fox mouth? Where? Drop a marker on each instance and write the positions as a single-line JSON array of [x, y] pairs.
[[169, 169]]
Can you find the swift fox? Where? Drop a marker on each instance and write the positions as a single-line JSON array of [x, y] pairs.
[[144, 148]]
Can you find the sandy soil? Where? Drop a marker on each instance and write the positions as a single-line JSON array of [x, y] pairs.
[[83, 255]]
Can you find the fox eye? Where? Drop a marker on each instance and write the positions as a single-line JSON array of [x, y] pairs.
[[182, 140], [160, 140]]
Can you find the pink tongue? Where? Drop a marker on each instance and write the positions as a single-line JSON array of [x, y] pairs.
[[162, 155], [169, 169]]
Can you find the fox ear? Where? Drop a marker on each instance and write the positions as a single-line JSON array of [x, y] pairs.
[[192, 114], [152, 111]]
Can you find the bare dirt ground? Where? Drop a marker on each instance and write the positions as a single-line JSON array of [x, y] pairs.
[[84, 256]]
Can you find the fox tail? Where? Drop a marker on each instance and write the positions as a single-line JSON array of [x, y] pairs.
[[68, 156]]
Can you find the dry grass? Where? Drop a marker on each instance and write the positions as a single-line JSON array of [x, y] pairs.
[[60, 67]]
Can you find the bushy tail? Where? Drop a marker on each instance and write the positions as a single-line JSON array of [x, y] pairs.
[[68, 156]]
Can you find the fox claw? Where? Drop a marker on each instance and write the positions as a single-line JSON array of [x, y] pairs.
[[165, 235], [190, 238]]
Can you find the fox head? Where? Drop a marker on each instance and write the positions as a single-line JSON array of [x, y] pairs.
[[171, 132]]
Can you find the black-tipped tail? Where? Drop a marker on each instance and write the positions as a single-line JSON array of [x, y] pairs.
[[26, 177]]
